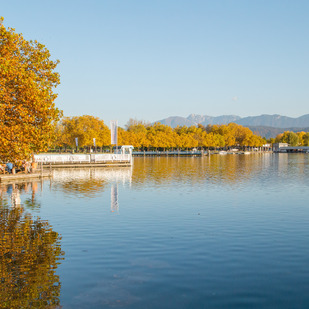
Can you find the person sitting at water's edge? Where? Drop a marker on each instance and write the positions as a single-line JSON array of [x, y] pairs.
[[26, 167], [2, 168], [9, 167]]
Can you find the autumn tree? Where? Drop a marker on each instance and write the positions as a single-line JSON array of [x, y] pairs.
[[278, 138], [85, 128], [306, 139], [125, 137], [132, 123], [138, 133], [290, 137], [256, 141], [161, 136], [59, 140], [228, 132], [27, 110], [301, 137]]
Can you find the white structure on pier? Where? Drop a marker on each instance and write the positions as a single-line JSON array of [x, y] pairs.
[[124, 155]]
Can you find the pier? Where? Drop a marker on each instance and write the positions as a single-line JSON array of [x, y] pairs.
[[170, 153], [121, 158], [194, 152], [23, 177], [285, 148]]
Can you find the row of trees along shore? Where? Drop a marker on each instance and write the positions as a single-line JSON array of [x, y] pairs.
[[145, 136], [151, 136]]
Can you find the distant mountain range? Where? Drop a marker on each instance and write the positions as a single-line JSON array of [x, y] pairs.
[[264, 125]]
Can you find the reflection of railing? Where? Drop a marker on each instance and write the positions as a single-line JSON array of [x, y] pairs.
[[82, 158], [123, 174], [110, 157]]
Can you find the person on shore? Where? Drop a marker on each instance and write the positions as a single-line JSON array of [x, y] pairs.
[[9, 167], [2, 169], [27, 167], [33, 166]]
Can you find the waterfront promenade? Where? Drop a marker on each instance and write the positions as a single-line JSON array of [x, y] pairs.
[[193, 152]]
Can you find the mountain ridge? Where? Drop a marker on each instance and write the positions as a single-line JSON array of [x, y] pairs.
[[275, 121], [264, 125]]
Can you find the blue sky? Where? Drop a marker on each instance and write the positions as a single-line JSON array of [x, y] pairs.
[[149, 60]]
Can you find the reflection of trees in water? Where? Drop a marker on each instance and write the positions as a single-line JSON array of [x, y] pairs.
[[88, 182], [3, 199], [14, 190], [29, 255], [32, 203], [227, 169], [88, 187]]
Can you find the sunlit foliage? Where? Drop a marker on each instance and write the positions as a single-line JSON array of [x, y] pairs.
[[85, 129], [27, 110], [293, 139], [142, 135]]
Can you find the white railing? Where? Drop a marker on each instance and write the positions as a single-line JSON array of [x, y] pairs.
[[107, 157], [82, 158], [62, 158]]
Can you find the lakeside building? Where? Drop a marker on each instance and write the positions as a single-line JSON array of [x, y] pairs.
[[277, 146], [284, 147]]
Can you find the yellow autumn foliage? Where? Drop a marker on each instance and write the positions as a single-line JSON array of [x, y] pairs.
[[27, 111], [85, 128], [145, 136]]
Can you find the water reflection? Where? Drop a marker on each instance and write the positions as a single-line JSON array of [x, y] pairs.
[[114, 198], [13, 191], [168, 230], [29, 253], [89, 182], [231, 170]]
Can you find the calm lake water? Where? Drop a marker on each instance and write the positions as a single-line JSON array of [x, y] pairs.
[[215, 232]]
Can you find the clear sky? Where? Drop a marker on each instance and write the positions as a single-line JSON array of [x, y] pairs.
[[151, 59]]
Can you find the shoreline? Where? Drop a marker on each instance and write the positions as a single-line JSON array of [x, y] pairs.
[[13, 177]]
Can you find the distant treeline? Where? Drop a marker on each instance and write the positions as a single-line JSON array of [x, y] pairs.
[[271, 132], [152, 136], [293, 139]]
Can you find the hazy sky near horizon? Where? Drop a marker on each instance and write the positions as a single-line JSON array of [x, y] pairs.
[[153, 59]]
